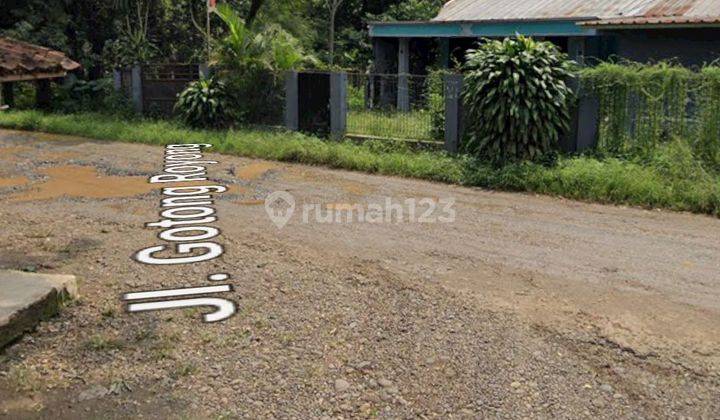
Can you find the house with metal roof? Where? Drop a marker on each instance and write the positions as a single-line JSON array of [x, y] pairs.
[[687, 31]]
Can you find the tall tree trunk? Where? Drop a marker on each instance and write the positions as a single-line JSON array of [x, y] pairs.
[[334, 5]]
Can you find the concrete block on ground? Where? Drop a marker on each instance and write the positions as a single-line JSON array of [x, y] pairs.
[[28, 298]]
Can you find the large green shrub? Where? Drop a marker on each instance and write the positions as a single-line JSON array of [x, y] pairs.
[[516, 99], [204, 104]]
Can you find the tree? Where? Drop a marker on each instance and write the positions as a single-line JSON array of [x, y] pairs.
[[333, 6]]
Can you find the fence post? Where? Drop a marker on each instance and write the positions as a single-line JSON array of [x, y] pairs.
[[453, 111], [588, 121], [292, 104], [584, 123], [338, 105], [136, 88], [204, 70], [117, 80], [403, 87]]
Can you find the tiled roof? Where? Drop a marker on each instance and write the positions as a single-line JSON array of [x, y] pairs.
[[21, 60]]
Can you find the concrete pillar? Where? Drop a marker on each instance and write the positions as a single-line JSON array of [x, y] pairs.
[[117, 80], [403, 91], [338, 105], [43, 94], [292, 104], [453, 112], [576, 49], [136, 91], [584, 124], [204, 70], [588, 122]]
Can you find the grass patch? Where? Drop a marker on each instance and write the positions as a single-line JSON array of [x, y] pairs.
[[103, 342], [668, 177], [24, 379], [183, 369]]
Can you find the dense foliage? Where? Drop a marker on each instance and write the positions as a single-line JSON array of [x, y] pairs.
[[644, 106], [103, 34], [252, 62], [516, 99], [204, 104]]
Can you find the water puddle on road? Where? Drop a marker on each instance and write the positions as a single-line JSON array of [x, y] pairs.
[[84, 181]]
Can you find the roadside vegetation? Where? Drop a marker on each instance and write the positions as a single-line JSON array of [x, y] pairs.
[[669, 177], [659, 134]]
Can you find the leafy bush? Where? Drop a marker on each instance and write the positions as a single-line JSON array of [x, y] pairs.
[[252, 64], [356, 97], [204, 104], [77, 95], [516, 99]]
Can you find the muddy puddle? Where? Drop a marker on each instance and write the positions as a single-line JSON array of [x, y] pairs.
[[13, 182], [84, 181]]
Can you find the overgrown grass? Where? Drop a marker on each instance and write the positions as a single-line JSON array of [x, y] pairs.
[[415, 125], [669, 177]]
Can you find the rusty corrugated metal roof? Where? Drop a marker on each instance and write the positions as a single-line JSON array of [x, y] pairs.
[[660, 20], [666, 11], [21, 61]]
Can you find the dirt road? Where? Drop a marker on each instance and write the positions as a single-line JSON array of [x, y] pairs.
[[523, 306]]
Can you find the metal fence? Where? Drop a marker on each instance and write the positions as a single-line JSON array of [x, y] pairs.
[[161, 83], [401, 107]]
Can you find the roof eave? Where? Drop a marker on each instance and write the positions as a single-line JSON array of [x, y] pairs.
[[481, 21]]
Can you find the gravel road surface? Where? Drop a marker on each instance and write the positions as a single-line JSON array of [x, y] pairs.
[[523, 306]]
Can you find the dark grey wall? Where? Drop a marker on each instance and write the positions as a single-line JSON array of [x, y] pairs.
[[692, 47], [385, 51]]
